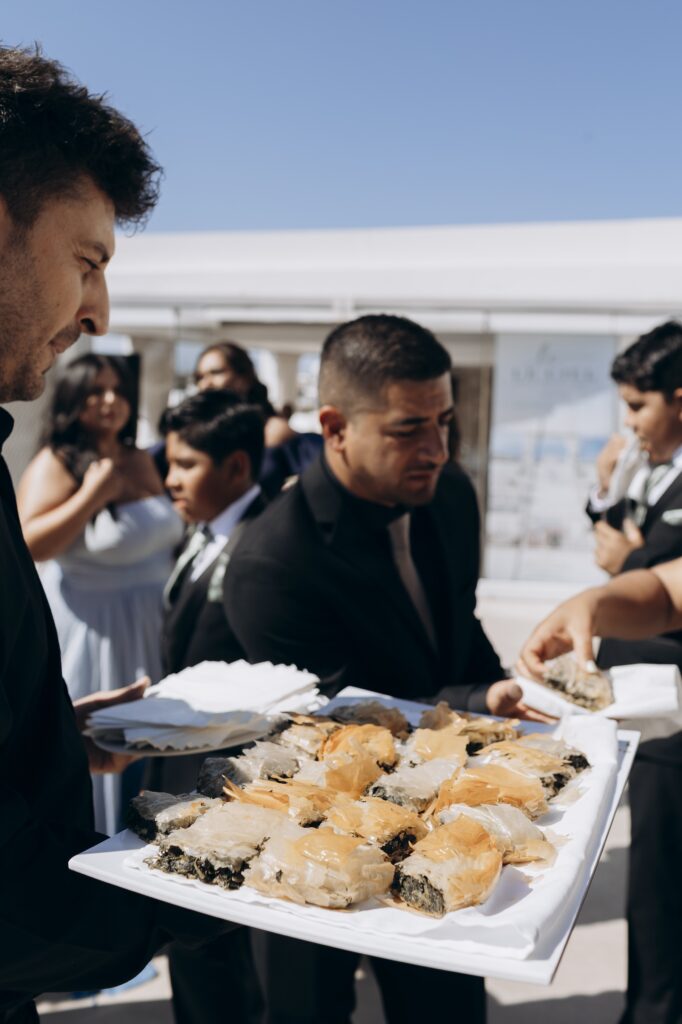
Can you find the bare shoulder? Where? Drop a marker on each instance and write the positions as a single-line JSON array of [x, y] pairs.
[[143, 471], [46, 483], [277, 431]]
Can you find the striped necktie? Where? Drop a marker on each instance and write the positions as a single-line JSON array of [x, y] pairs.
[[399, 532], [197, 542], [655, 476]]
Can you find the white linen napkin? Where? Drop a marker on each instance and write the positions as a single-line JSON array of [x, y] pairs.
[[640, 691]]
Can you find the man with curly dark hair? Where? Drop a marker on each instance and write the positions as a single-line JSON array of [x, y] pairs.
[[70, 168]]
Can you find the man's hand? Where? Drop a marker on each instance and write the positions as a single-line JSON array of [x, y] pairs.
[[505, 699], [103, 760], [607, 459], [613, 547], [569, 628]]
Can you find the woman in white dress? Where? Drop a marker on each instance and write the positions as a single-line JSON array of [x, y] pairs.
[[93, 509]]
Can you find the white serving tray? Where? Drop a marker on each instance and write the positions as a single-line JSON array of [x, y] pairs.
[[107, 862]]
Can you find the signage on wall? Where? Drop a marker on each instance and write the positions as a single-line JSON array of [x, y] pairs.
[[554, 406]]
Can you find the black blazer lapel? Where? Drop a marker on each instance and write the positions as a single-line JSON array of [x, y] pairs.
[[671, 498]]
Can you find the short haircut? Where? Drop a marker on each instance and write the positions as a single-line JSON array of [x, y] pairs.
[[653, 362], [218, 423], [53, 132], [361, 357]]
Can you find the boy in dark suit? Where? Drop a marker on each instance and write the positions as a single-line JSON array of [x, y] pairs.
[[365, 572], [642, 528], [214, 446]]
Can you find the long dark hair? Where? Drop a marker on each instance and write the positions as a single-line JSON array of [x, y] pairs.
[[240, 362], [64, 433]]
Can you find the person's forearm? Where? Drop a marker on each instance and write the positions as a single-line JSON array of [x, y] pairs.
[[633, 606], [51, 533]]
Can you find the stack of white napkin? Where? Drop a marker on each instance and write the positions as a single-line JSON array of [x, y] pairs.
[[207, 706]]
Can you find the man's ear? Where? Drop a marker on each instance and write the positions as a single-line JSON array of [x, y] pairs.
[[677, 398], [238, 465], [334, 425]]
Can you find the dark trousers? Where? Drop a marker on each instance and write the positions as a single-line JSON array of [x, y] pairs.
[[654, 898], [87, 936], [215, 982], [308, 984], [654, 912]]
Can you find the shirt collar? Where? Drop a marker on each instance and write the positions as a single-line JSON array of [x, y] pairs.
[[373, 516], [224, 523], [6, 426]]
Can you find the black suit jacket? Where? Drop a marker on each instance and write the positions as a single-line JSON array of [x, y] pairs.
[[311, 586], [662, 542], [196, 627]]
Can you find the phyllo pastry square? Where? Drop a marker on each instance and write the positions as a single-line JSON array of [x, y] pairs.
[[264, 760], [374, 713], [552, 771], [321, 867], [479, 731], [152, 814], [456, 865], [415, 786], [302, 802], [307, 733], [428, 744], [587, 689], [566, 753], [493, 784], [517, 838], [374, 740], [346, 772], [219, 845], [392, 828]]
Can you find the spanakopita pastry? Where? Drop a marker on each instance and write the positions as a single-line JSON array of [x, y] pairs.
[[321, 867], [428, 744], [374, 740], [152, 814], [350, 773], [394, 829], [303, 802], [456, 865], [219, 845], [587, 689], [415, 786], [307, 733], [564, 751], [552, 771], [493, 784], [517, 838], [478, 731], [264, 760], [374, 713]]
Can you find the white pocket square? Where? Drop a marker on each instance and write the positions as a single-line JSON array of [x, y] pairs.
[[673, 517]]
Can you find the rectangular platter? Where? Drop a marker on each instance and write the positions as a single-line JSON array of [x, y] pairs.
[[113, 861]]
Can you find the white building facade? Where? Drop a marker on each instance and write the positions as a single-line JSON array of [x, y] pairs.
[[532, 315]]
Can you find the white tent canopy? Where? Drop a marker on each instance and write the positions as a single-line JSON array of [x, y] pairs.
[[612, 277]]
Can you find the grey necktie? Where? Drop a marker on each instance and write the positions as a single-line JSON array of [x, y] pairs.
[[655, 476], [196, 543], [399, 532]]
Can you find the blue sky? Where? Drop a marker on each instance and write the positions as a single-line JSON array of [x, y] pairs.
[[311, 114]]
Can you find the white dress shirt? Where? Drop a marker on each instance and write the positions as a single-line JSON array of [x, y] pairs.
[[220, 528], [637, 485]]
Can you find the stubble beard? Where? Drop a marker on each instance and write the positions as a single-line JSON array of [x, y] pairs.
[[21, 331]]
